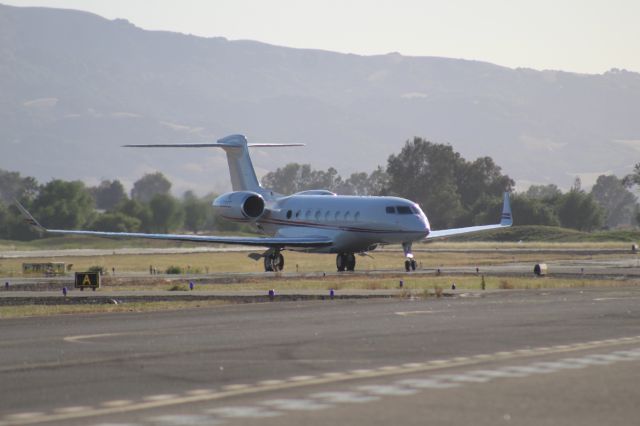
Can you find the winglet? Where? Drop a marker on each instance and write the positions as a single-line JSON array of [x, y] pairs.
[[28, 219], [506, 218]]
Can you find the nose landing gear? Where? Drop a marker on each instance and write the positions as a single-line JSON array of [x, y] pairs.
[[410, 263], [345, 261]]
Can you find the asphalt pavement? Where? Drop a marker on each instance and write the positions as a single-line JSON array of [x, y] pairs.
[[566, 356]]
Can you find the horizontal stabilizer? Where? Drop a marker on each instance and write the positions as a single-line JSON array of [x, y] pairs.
[[211, 145]]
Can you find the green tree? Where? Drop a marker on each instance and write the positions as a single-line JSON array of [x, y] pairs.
[[195, 212], [166, 213], [632, 178], [116, 222], [150, 185], [481, 177], [579, 210], [13, 186], [108, 194], [533, 211], [618, 202], [549, 192], [136, 209], [64, 205]]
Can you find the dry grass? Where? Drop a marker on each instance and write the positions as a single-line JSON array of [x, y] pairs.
[[48, 310], [300, 262]]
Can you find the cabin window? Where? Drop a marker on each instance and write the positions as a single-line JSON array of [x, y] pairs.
[[337, 215], [308, 215], [403, 209], [391, 209], [289, 213], [347, 215], [356, 217], [298, 214], [327, 216], [318, 214]]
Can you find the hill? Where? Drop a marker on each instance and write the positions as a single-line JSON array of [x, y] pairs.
[[76, 86]]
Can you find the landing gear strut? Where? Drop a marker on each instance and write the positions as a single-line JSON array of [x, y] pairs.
[[345, 261], [410, 263], [273, 261]]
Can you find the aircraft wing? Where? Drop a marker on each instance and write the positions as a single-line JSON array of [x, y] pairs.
[[249, 241], [506, 220]]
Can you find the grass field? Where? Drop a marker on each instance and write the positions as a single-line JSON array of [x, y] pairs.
[[294, 262]]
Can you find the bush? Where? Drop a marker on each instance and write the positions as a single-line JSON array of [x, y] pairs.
[[97, 268], [178, 287], [174, 270]]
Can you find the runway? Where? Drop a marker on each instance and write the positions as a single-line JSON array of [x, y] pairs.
[[525, 357]]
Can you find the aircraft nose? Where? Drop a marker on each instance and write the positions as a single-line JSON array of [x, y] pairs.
[[421, 225]]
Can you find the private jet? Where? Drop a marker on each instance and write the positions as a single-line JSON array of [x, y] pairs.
[[314, 221]]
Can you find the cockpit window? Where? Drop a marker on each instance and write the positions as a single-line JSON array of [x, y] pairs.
[[404, 210], [414, 210], [391, 209]]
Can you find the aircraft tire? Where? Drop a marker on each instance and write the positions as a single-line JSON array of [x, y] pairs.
[[407, 265], [268, 263], [413, 264], [278, 262], [341, 262], [350, 261]]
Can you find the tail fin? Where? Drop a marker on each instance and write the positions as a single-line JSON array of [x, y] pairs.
[[506, 218], [243, 175]]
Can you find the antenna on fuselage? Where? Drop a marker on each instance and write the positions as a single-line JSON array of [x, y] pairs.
[[241, 171]]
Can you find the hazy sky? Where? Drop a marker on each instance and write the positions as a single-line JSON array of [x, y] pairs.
[[588, 36]]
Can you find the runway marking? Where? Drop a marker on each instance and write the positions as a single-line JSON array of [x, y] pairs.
[[294, 404], [343, 397], [427, 384], [243, 412], [239, 386], [82, 338], [163, 397], [24, 416], [625, 355], [408, 313], [271, 382], [185, 420], [199, 392], [301, 378], [117, 403], [387, 390], [72, 409]]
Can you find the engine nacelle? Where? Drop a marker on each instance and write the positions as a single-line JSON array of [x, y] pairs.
[[240, 205]]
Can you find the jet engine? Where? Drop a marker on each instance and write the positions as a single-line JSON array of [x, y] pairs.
[[240, 205]]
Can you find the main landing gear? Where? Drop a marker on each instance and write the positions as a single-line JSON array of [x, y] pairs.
[[345, 261], [273, 261], [410, 263]]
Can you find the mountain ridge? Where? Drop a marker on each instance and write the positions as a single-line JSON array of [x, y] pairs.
[[74, 82]]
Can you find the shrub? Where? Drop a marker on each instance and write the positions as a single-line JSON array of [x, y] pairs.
[[174, 270]]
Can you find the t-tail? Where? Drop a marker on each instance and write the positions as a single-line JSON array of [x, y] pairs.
[[243, 175]]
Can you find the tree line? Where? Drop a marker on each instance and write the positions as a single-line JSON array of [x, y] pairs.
[[60, 204], [455, 192], [452, 191]]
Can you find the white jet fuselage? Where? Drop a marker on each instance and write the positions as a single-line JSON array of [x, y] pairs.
[[353, 223]]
